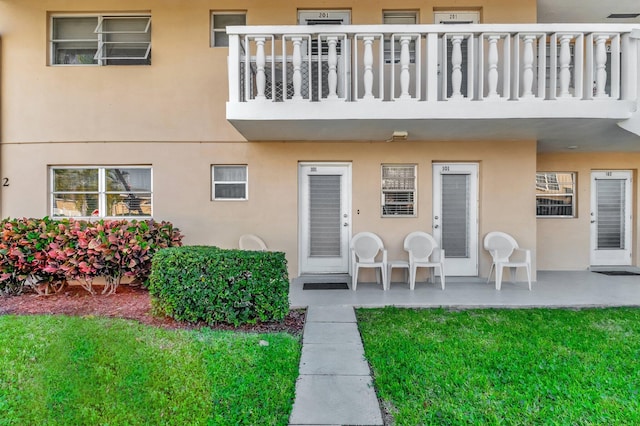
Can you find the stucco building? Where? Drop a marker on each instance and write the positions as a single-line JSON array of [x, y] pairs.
[[307, 122]]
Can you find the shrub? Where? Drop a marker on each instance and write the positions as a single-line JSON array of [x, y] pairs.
[[24, 258], [42, 253], [198, 283]]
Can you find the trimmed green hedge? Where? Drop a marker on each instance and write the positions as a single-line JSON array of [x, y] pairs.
[[203, 283]]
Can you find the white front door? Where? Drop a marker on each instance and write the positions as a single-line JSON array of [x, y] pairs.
[[611, 217], [324, 217], [455, 216]]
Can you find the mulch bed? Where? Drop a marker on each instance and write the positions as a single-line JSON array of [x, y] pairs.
[[128, 302]]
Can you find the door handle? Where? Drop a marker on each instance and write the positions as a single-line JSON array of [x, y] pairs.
[[345, 224], [593, 221], [436, 226]]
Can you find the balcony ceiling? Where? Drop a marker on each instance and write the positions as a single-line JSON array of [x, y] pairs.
[[552, 134], [586, 11]]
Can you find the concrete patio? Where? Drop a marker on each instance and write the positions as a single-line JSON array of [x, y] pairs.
[[335, 386], [554, 289]]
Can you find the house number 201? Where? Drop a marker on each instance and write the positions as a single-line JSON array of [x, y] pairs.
[[5, 181]]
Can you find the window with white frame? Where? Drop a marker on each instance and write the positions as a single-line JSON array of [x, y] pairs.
[[219, 23], [229, 182], [399, 190], [105, 191], [399, 17], [555, 194], [100, 39]]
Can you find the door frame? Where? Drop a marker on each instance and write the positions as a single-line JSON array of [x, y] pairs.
[[344, 265], [458, 267], [621, 257]]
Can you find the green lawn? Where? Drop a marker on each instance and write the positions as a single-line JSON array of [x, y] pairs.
[[57, 370], [529, 366]]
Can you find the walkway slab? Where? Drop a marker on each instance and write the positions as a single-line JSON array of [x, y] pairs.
[[337, 359], [335, 385], [339, 400], [323, 332], [330, 314]]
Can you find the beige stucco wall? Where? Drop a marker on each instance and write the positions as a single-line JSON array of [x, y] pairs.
[[171, 115], [182, 95], [182, 186], [563, 244]]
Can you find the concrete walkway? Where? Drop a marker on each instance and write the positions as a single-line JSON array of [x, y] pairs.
[[334, 386]]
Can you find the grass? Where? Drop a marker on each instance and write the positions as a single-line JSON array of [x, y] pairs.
[[530, 366], [57, 370]]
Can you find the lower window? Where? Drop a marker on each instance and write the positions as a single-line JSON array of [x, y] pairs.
[[109, 191], [398, 190], [229, 182], [555, 194]]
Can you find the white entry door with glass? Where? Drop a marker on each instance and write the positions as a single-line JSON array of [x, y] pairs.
[[324, 203], [611, 217], [455, 216]]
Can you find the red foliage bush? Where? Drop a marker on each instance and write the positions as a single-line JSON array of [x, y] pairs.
[[42, 254]]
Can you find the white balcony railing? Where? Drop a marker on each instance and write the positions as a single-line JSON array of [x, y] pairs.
[[420, 72], [431, 63]]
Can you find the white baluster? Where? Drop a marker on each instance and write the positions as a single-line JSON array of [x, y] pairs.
[[565, 63], [493, 66], [297, 73], [456, 65], [405, 76], [260, 74], [332, 78], [601, 66], [527, 66], [368, 67]]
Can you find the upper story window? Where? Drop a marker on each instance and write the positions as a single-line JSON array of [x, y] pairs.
[[399, 190], [399, 17], [229, 182], [219, 23], [79, 191], [555, 194], [100, 39]]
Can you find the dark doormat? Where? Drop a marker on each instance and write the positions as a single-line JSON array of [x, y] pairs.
[[325, 286], [613, 273]]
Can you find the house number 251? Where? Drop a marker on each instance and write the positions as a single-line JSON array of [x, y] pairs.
[[445, 168]]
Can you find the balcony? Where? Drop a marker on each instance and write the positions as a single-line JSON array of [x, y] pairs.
[[558, 83]]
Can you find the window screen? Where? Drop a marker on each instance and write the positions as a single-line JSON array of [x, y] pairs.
[[101, 40], [403, 17], [555, 194], [101, 191], [229, 182], [219, 23], [398, 190]]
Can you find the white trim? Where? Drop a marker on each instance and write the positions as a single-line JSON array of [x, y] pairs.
[[328, 265], [214, 30], [610, 257], [324, 15], [101, 192], [245, 182], [99, 41], [458, 266]]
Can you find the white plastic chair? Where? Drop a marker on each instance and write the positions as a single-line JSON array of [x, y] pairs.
[[506, 253], [251, 242], [365, 247], [423, 253]]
